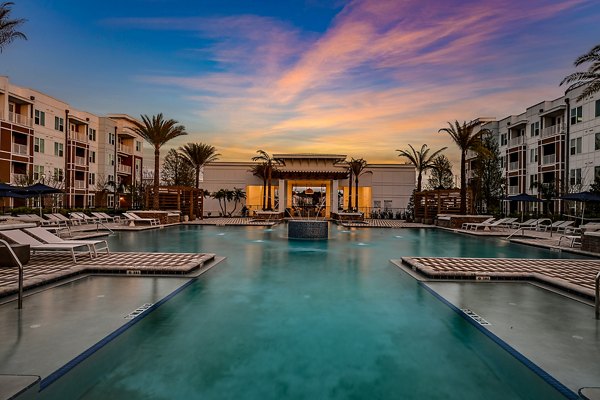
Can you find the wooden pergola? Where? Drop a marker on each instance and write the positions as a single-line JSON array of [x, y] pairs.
[[430, 203], [188, 200]]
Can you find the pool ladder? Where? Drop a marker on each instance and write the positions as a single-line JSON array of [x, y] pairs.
[[597, 301], [16, 260]]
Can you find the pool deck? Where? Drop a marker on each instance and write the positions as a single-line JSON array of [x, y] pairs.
[[231, 221], [44, 268]]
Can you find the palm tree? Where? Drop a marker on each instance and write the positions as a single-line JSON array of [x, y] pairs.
[[466, 140], [349, 187], [157, 131], [269, 166], [356, 167], [421, 159], [591, 77], [237, 196], [260, 170], [8, 27], [198, 155]]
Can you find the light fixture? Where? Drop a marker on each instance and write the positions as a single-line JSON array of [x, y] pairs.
[[309, 191]]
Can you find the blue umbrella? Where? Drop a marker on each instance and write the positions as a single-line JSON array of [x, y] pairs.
[[525, 198], [10, 191], [38, 189], [583, 197]]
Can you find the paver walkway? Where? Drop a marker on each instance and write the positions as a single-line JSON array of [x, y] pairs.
[[236, 221], [569, 274], [46, 268]]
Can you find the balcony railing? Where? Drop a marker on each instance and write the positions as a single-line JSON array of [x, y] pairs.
[[17, 178], [123, 148], [125, 169], [553, 130], [513, 190], [19, 119], [80, 161], [512, 166], [78, 136], [516, 141], [549, 159], [22, 149], [79, 184]]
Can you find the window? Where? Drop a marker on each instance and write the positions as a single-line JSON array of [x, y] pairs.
[[91, 200], [40, 118], [533, 180], [110, 200], [597, 141], [92, 134], [387, 205], [533, 155], [92, 178], [59, 124], [92, 158], [576, 115], [596, 173], [58, 174], [597, 108], [38, 145], [38, 172], [111, 138], [501, 162], [58, 149], [575, 176], [576, 146], [111, 159], [535, 128], [138, 145], [111, 178], [376, 203], [503, 140]]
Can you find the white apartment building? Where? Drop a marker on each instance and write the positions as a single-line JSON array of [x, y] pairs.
[[43, 139]]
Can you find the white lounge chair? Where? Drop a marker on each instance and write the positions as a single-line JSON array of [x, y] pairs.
[[84, 217], [527, 224], [131, 217], [104, 216], [21, 237], [69, 221], [494, 224], [572, 240], [564, 226], [59, 222], [48, 237], [467, 225]]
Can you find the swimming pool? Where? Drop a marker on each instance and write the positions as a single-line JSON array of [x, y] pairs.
[[303, 320]]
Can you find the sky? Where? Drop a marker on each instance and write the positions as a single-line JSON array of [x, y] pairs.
[[360, 78]]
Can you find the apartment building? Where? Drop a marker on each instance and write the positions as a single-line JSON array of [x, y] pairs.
[[94, 159]]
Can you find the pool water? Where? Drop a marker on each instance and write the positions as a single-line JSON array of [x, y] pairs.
[[292, 319]]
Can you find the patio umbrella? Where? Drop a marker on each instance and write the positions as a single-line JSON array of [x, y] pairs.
[[38, 189], [583, 197], [523, 198]]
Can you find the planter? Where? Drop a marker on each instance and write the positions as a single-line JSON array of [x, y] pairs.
[[308, 229]]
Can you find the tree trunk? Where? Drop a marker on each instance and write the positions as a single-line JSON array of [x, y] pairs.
[[269, 203], [198, 177], [463, 183], [356, 192], [350, 191], [419, 179], [155, 197], [264, 196]]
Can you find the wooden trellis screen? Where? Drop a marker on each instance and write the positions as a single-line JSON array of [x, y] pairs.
[[188, 200], [430, 203]]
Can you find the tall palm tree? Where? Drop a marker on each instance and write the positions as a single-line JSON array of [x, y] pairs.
[[349, 187], [356, 167], [269, 166], [198, 155], [466, 140], [591, 77], [421, 159], [157, 131], [260, 170], [8, 27], [237, 196]]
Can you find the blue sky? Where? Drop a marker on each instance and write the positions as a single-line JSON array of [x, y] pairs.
[[361, 78]]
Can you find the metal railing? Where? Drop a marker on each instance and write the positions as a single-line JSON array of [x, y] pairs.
[[513, 190], [512, 166], [79, 136], [124, 168], [123, 148], [18, 178], [80, 161], [20, 149], [553, 130], [597, 302], [516, 141], [549, 159], [79, 184], [20, 283]]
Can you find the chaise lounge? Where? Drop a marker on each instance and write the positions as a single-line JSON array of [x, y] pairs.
[[50, 238], [21, 237]]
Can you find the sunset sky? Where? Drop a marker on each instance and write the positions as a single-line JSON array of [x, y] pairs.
[[361, 78]]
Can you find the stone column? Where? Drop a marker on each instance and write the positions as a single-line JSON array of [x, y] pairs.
[[282, 195], [334, 195]]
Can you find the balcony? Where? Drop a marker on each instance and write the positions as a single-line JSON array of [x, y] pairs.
[[78, 136], [516, 141], [80, 161], [124, 169], [553, 130], [549, 159], [17, 178], [123, 148], [512, 190], [79, 184], [21, 149], [513, 165], [19, 119]]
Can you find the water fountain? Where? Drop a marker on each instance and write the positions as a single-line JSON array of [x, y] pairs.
[[309, 228]]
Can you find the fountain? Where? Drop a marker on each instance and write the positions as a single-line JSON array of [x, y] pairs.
[[309, 228]]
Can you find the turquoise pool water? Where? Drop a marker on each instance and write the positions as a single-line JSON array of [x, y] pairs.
[[286, 319]]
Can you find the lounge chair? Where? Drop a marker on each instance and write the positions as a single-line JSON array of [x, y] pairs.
[[36, 219], [496, 224], [106, 217], [508, 222], [59, 222], [467, 225], [48, 237], [572, 240], [84, 217], [69, 221], [564, 226], [529, 223], [21, 237], [131, 217]]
